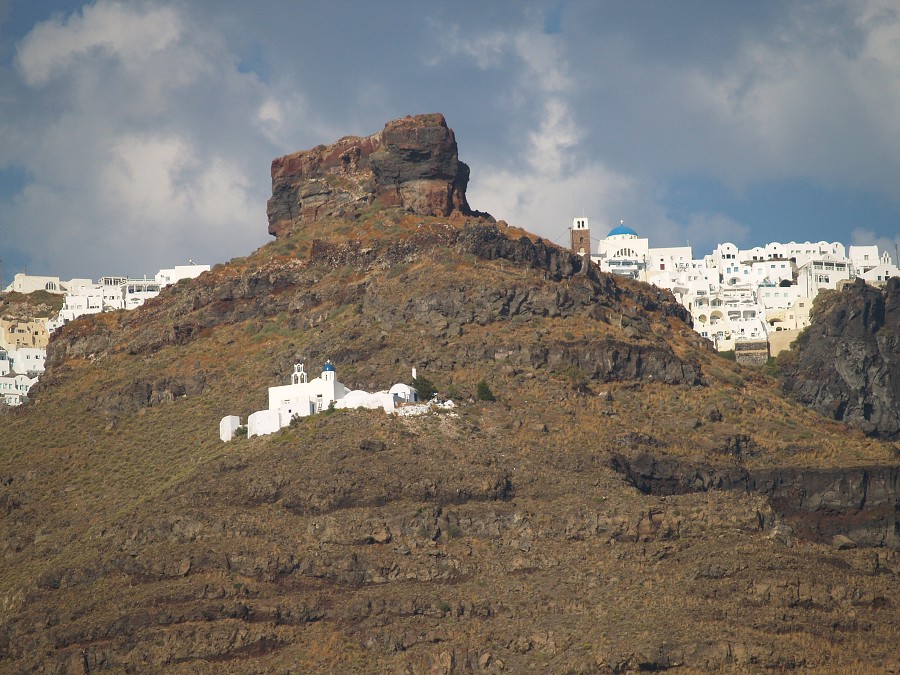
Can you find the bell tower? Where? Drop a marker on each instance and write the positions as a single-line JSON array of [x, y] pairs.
[[581, 236]]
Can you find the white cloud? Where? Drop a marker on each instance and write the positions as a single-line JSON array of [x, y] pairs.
[[547, 69], [486, 50], [150, 147], [549, 145], [545, 204], [807, 100], [129, 32], [140, 176], [706, 229]]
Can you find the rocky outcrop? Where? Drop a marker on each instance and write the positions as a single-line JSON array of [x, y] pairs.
[[857, 506], [490, 244], [847, 364], [412, 164]]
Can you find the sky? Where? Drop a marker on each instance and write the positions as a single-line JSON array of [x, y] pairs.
[[139, 135]]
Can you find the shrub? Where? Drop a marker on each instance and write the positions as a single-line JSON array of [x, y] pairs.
[[484, 392], [453, 393], [425, 387], [578, 378], [240, 432]]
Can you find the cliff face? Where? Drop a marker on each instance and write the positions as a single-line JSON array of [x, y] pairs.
[[847, 365], [857, 506], [412, 164]]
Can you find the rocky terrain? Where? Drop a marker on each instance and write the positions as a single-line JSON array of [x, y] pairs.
[[15, 305], [631, 501], [847, 364]]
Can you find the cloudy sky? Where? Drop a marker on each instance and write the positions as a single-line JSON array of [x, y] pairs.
[[137, 135]]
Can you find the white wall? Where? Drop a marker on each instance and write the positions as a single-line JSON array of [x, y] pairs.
[[24, 283], [263, 422], [175, 274], [228, 426]]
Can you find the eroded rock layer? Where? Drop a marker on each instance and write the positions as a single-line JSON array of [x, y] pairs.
[[412, 164]]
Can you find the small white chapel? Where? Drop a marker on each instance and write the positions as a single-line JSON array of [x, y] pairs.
[[304, 397]]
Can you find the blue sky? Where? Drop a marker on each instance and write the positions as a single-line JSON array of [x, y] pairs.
[[138, 135]]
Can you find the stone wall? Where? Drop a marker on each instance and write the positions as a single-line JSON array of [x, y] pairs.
[[754, 353]]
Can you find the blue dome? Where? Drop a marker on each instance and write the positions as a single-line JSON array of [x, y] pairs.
[[328, 368], [621, 229]]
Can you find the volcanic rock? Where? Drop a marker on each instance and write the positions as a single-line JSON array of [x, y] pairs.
[[847, 364], [412, 164]]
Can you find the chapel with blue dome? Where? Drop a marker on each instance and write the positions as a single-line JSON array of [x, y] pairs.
[[622, 229]]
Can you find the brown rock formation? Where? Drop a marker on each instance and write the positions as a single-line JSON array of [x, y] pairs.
[[412, 164]]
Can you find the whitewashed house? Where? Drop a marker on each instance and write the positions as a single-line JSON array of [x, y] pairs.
[[27, 360], [878, 275], [27, 283], [111, 293], [14, 388], [174, 275]]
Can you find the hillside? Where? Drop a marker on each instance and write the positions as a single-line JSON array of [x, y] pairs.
[[631, 500]]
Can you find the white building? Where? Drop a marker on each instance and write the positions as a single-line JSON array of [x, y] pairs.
[[179, 272], [823, 273], [865, 258], [26, 283], [111, 293], [27, 360], [304, 397], [623, 252], [878, 275], [14, 388], [742, 294]]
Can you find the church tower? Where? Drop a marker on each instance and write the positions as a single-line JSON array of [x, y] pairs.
[[581, 236]]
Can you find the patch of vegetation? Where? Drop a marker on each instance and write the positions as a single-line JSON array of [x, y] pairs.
[[452, 392], [425, 387], [483, 392], [578, 378]]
